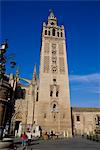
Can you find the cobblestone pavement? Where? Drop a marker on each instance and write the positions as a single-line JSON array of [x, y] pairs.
[[65, 144]]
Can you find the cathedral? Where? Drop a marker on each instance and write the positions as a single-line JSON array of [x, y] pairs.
[[45, 106]]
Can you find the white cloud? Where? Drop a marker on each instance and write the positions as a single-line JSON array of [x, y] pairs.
[[85, 78], [88, 83]]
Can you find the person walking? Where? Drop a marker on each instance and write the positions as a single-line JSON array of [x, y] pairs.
[[29, 136], [24, 139]]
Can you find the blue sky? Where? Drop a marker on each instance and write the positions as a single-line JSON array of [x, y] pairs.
[[21, 24]]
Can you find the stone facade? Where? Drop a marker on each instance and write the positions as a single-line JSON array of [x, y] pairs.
[[85, 120], [47, 102], [24, 107], [53, 110]]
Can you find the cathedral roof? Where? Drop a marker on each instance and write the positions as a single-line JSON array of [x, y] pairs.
[[85, 109]]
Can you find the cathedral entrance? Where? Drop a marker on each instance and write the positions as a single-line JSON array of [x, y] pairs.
[[18, 128], [17, 125]]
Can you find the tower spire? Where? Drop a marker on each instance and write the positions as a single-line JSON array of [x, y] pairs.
[[51, 18], [51, 13], [34, 73]]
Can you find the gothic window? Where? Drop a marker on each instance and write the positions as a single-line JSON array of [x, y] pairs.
[[61, 65], [78, 118], [61, 51], [46, 48], [46, 64], [45, 32], [53, 32], [58, 34], [61, 34], [48, 32]]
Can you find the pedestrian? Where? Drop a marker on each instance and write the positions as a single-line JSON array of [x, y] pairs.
[[29, 136], [24, 139]]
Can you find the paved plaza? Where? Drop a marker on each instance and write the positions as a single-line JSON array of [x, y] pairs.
[[65, 144]]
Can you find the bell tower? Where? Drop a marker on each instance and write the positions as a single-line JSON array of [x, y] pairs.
[[53, 110]]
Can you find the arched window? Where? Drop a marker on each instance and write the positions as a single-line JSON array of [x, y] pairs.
[[61, 34], [58, 34], [53, 32], [45, 32], [48, 32]]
